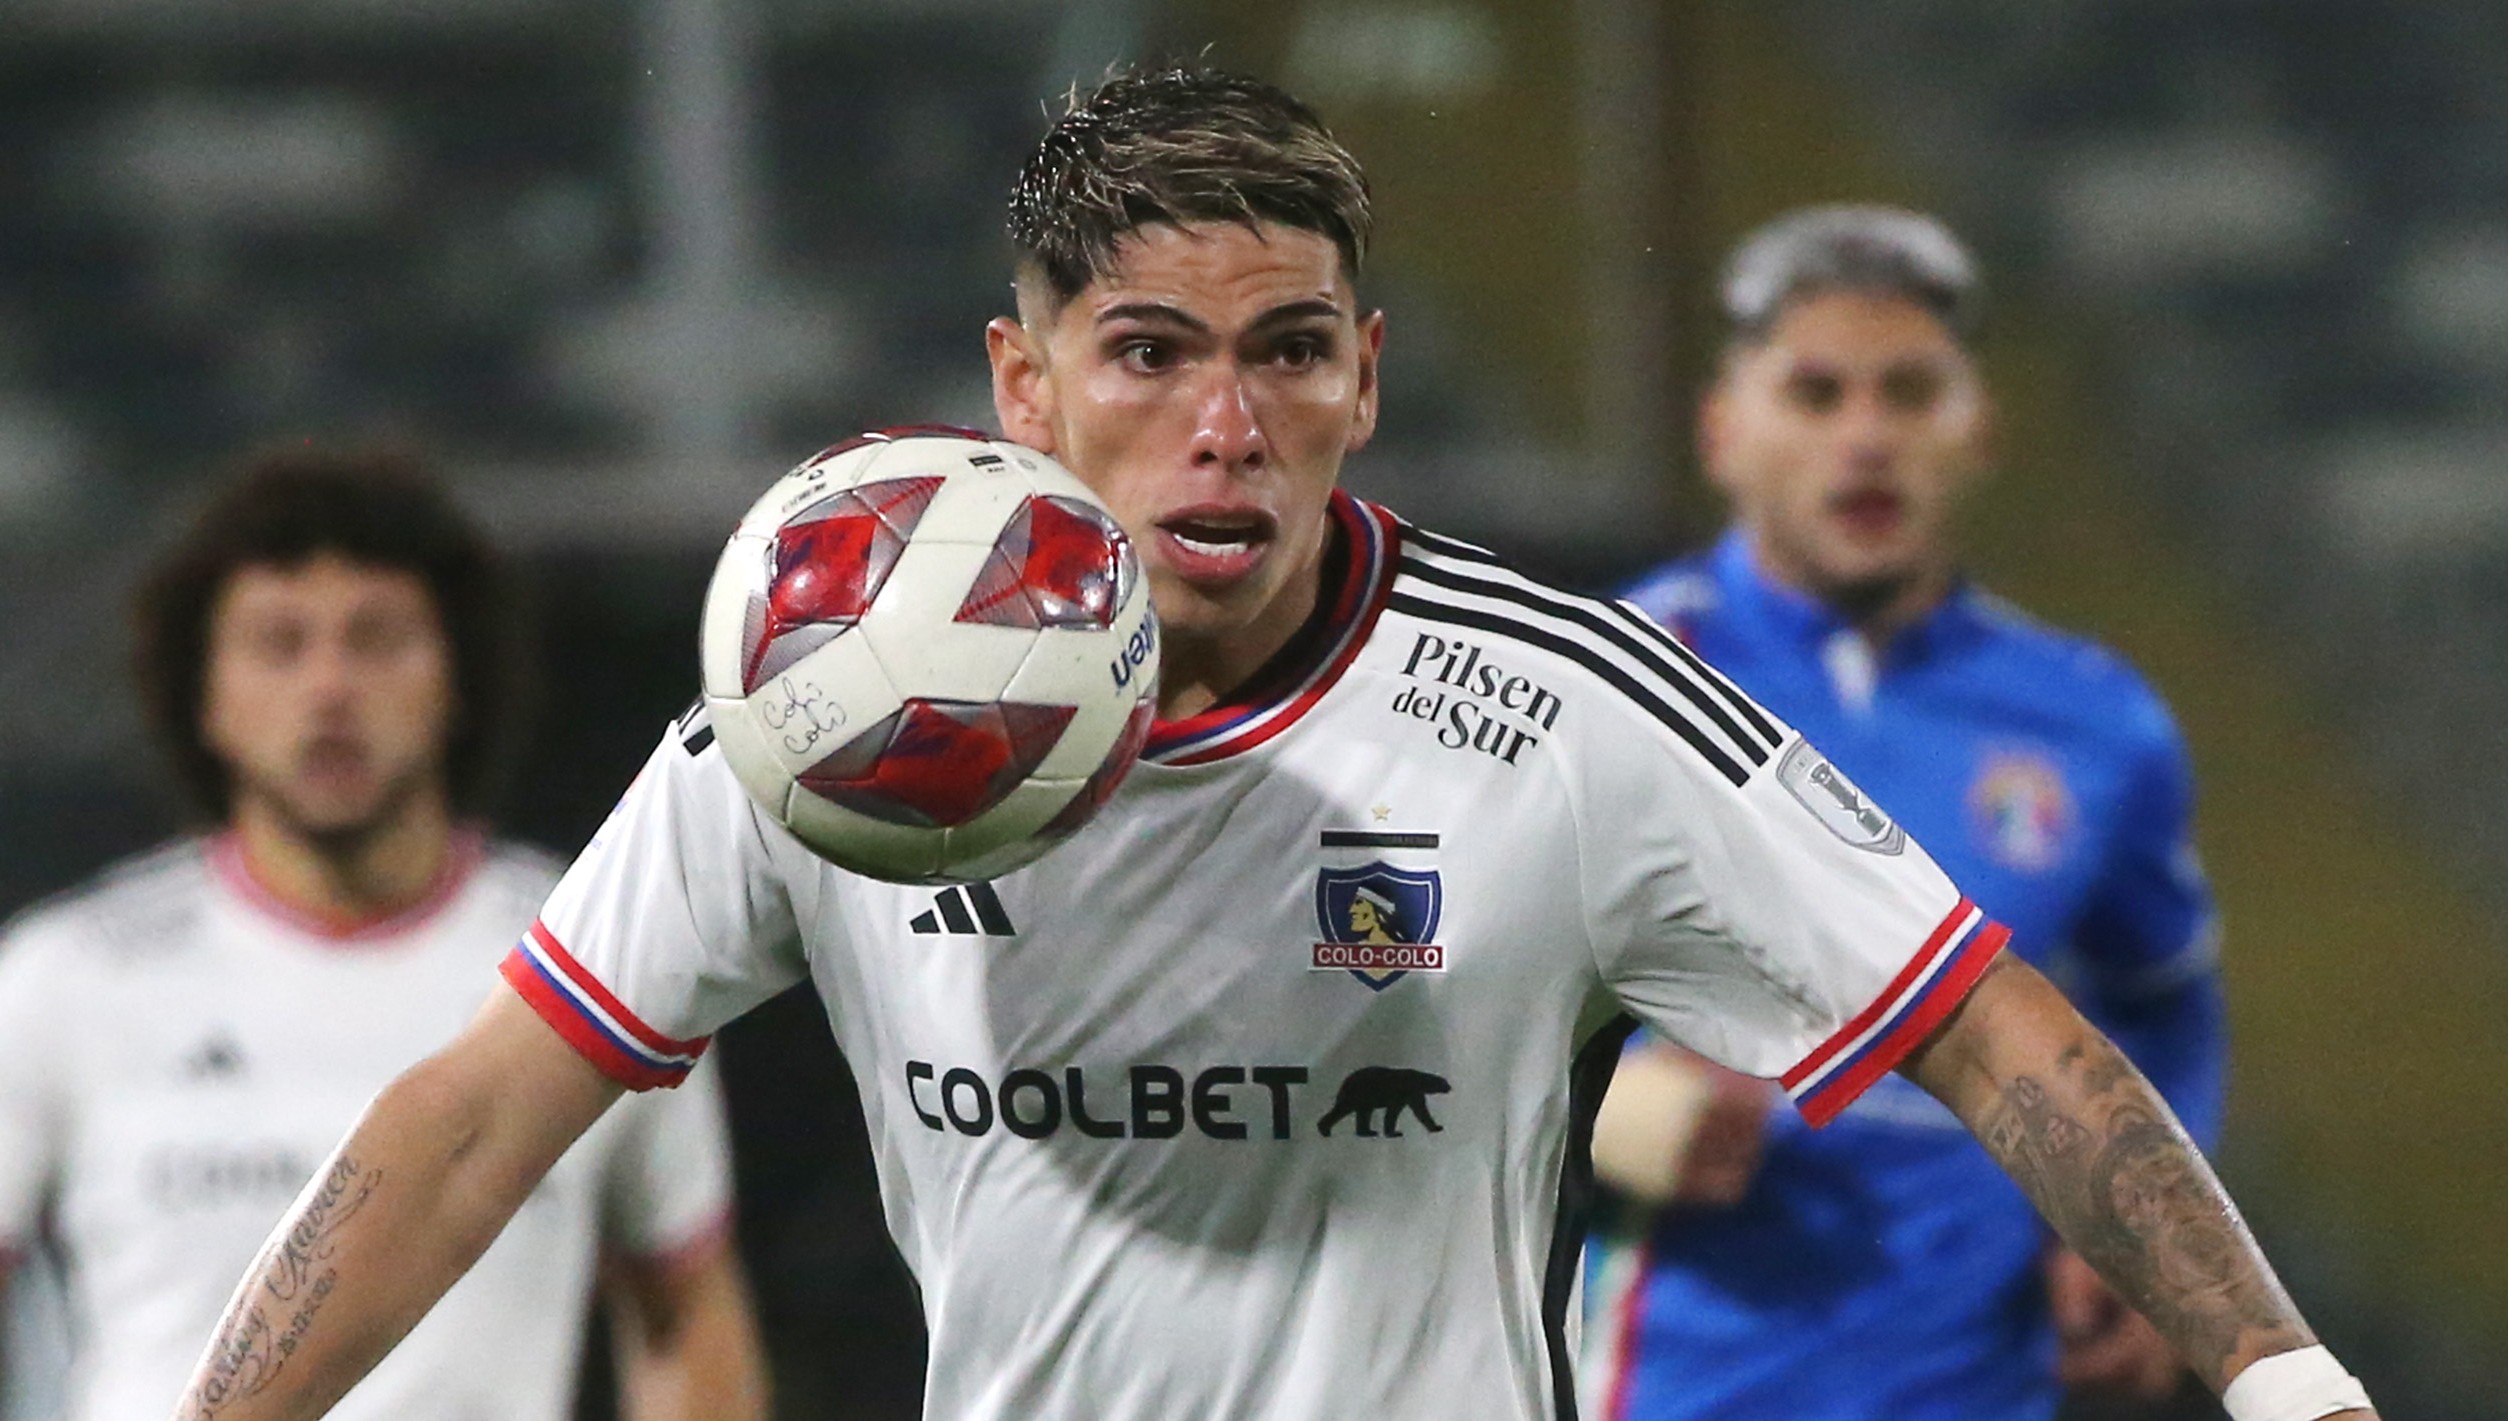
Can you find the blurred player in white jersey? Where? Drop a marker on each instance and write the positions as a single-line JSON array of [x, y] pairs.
[[1265, 1095], [328, 656]]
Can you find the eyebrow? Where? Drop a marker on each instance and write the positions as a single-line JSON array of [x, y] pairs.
[[1151, 311], [1310, 308], [1313, 307]]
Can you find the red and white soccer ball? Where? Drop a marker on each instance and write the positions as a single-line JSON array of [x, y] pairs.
[[929, 654]]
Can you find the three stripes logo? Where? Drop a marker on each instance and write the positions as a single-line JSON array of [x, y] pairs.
[[964, 912]]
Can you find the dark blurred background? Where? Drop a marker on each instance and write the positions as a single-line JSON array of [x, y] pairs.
[[617, 265]]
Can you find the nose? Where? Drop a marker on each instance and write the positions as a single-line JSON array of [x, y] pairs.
[[1871, 431], [333, 675], [1226, 434]]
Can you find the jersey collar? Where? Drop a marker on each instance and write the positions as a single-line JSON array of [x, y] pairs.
[[1358, 573], [1794, 618], [461, 859]]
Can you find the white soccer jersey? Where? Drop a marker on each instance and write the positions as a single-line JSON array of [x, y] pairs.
[[183, 1052], [1255, 1098]]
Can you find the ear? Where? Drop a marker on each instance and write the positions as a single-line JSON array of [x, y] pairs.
[[211, 723], [1023, 390], [1989, 435], [1715, 434], [1371, 349]]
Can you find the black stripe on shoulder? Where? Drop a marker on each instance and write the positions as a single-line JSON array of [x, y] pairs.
[[1584, 613], [1655, 632], [1415, 606], [1725, 690], [1444, 546], [695, 727]]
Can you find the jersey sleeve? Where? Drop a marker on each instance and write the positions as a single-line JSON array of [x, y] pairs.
[[2147, 948], [31, 1105], [668, 1189], [675, 919], [2149, 925], [1747, 901]]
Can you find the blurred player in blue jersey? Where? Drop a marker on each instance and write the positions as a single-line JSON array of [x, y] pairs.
[[1883, 1267]]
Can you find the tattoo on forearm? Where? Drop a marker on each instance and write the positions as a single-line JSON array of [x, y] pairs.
[[292, 1274], [2111, 1170]]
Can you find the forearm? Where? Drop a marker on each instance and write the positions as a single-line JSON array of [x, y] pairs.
[[2108, 1165], [2178, 1039], [394, 1217], [409, 1201]]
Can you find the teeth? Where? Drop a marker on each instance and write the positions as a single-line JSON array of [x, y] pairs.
[[1209, 549]]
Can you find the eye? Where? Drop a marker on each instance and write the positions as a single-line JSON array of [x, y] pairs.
[[275, 642], [1814, 391], [1304, 350], [1144, 356], [383, 635], [1911, 388]]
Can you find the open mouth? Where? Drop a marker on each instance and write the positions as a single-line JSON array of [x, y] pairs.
[[1869, 512], [1210, 544], [333, 757]]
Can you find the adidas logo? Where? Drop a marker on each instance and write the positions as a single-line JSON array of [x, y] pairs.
[[216, 1059], [950, 913]]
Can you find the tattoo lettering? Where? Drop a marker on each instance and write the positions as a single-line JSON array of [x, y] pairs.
[[2095, 1148], [308, 1239], [246, 1356]]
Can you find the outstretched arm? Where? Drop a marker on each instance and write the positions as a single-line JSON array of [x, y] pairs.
[[422, 1185], [2072, 1121]]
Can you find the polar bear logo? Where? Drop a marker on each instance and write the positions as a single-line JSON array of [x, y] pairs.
[[1384, 1091]]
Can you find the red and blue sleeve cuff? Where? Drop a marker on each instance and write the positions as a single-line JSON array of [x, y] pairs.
[[1916, 1001], [572, 1001]]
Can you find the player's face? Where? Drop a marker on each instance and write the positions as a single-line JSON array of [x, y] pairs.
[[1207, 389], [1845, 440], [329, 692]]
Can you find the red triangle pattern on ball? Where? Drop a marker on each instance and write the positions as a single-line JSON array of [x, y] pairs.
[[830, 562], [1058, 563], [939, 764], [1107, 778]]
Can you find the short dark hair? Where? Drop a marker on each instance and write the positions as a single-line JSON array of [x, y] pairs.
[[379, 508], [1883, 250], [1180, 145]]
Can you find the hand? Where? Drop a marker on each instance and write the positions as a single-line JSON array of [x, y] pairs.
[[1730, 1140], [1675, 1128], [2105, 1344]]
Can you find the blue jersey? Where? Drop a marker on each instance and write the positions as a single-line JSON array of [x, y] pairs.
[[1884, 1267]]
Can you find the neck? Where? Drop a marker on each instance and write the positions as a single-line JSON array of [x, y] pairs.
[[1878, 608], [353, 876]]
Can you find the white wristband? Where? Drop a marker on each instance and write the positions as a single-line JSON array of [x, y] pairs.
[[2294, 1386]]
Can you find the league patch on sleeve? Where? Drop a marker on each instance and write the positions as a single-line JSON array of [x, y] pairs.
[[1834, 800]]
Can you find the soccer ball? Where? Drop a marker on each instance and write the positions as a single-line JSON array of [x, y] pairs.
[[929, 654]]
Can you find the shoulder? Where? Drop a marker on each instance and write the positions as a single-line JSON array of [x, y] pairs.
[[1466, 612], [519, 871], [139, 907], [1677, 592], [2072, 675]]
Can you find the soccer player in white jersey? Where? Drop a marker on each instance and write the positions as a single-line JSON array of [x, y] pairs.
[[326, 655], [1178, 1123]]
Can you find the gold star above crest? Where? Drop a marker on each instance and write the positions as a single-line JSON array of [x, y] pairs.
[[1383, 813]]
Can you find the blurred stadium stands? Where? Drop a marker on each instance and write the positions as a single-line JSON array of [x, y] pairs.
[[2293, 217]]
